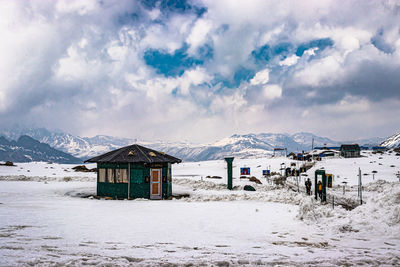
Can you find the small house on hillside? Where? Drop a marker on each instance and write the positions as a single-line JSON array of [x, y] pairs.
[[134, 172], [350, 151]]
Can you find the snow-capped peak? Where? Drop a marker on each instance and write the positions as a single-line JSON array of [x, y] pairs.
[[392, 142]]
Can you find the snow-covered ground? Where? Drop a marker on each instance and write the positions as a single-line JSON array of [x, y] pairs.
[[44, 171], [43, 221]]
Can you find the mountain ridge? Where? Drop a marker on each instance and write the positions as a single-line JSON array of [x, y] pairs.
[[392, 142], [27, 149], [238, 145]]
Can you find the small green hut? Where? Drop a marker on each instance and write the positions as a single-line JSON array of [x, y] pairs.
[[134, 172]]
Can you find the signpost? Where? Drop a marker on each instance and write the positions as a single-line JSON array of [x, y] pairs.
[[266, 172], [244, 171]]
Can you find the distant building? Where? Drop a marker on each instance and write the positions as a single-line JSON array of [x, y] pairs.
[[327, 147], [379, 148], [134, 172], [322, 153], [329, 153], [350, 151]]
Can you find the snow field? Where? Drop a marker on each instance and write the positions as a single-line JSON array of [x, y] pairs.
[[45, 222], [44, 171]]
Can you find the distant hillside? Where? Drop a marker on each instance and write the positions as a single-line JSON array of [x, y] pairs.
[[27, 149], [392, 142], [242, 146], [80, 147]]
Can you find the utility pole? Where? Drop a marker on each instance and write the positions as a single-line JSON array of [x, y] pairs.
[[359, 185], [129, 181]]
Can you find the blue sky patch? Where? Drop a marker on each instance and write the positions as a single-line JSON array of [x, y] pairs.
[[242, 74], [320, 43], [128, 18], [174, 6], [265, 53], [205, 52], [170, 65], [379, 42], [174, 92]]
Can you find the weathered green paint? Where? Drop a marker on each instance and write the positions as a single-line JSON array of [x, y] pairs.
[[139, 182], [229, 168], [139, 187], [114, 190]]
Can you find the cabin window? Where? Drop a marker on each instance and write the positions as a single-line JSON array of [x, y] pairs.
[[124, 173], [121, 175], [102, 175], [110, 175]]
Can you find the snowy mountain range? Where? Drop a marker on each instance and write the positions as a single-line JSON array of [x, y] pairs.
[[27, 149], [81, 147], [392, 142], [247, 145]]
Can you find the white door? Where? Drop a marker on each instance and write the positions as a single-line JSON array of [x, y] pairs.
[[155, 183]]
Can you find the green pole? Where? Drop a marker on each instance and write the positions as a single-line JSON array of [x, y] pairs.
[[229, 167]]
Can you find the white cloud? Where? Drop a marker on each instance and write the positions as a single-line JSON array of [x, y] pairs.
[[154, 13], [289, 61], [261, 77], [320, 72], [78, 60], [76, 66], [193, 77], [311, 51], [76, 6], [198, 34], [170, 36], [272, 91]]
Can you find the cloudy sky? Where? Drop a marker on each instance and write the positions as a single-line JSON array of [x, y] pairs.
[[201, 70]]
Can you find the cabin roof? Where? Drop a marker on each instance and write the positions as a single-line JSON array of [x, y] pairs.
[[134, 154]]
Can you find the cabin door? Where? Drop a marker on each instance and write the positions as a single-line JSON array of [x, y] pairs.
[[155, 183]]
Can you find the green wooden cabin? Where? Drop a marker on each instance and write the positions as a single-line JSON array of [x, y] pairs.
[[134, 172]]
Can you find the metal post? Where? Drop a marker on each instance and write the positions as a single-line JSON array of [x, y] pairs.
[[129, 180], [358, 189], [229, 168], [312, 145], [359, 173]]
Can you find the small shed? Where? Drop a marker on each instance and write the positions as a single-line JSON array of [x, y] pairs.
[[350, 151], [134, 172]]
